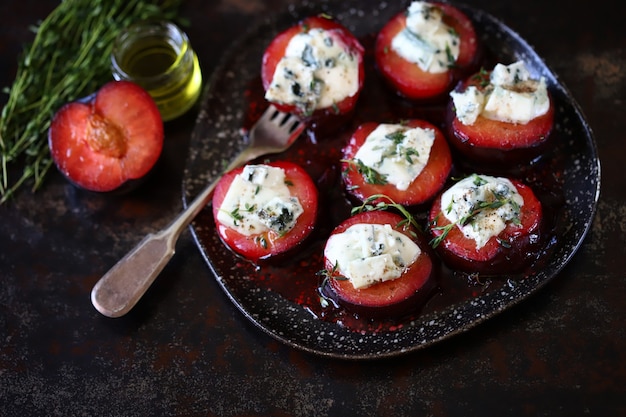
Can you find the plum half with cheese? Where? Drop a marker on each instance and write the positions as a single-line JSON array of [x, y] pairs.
[[408, 162], [376, 266], [503, 116], [314, 70], [265, 210], [424, 50], [486, 224]]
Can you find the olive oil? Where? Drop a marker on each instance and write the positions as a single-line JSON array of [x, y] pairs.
[[158, 56]]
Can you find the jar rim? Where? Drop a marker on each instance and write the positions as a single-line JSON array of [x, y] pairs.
[[176, 38]]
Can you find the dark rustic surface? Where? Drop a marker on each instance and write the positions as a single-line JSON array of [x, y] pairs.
[[185, 350]]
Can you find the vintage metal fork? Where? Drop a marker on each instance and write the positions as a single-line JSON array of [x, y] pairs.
[[117, 292]]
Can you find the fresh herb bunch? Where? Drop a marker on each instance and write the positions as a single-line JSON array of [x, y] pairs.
[[68, 59]]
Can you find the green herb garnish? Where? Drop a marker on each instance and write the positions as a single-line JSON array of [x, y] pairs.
[[396, 137], [370, 175], [381, 202], [327, 275]]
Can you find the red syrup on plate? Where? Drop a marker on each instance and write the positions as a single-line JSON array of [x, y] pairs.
[[295, 277]]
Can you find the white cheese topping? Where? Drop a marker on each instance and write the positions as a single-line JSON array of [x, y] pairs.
[[512, 96], [258, 201], [398, 153], [317, 71], [482, 206], [426, 40], [370, 253]]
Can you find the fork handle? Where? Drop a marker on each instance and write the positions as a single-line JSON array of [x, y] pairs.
[[127, 281], [117, 292]]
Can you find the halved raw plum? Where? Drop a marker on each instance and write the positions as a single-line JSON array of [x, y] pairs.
[[108, 140], [482, 202], [320, 74], [358, 177], [411, 81], [390, 298], [261, 219]]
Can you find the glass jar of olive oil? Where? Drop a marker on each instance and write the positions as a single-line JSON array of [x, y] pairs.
[[158, 57]]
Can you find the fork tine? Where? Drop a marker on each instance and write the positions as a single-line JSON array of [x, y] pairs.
[[282, 119], [269, 114], [296, 124]]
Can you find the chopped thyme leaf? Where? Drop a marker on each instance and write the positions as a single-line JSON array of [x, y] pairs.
[[370, 175], [237, 217], [396, 137], [478, 180], [482, 78], [452, 31], [409, 153], [450, 57]]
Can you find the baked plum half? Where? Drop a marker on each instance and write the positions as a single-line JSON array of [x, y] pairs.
[[377, 266], [314, 70], [407, 162], [424, 50], [109, 140], [486, 224], [502, 117], [265, 210]]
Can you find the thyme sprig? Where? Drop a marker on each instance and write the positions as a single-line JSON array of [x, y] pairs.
[[69, 58], [326, 276], [382, 202], [370, 175]]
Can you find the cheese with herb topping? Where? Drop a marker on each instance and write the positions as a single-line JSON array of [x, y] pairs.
[[317, 71], [512, 96], [482, 206], [426, 40], [398, 153], [259, 200], [370, 253]]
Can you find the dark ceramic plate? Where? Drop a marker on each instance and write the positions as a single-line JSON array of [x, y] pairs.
[[281, 299]]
